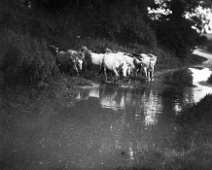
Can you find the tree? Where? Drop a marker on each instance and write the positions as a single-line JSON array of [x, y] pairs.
[[174, 30]]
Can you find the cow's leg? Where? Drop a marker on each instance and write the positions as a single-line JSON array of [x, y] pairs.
[[153, 76], [148, 75], [105, 73], [76, 69], [136, 73], [100, 69], [116, 73], [145, 72]]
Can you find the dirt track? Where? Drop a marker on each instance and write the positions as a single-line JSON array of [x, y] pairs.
[[205, 54]]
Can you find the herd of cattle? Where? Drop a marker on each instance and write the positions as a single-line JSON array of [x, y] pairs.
[[119, 63]]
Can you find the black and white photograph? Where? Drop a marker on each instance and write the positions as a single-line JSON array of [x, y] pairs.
[[105, 84]]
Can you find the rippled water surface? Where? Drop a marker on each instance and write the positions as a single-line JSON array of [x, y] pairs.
[[106, 128]]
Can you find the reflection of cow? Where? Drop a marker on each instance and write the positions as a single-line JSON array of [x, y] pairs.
[[109, 96], [85, 94], [150, 107]]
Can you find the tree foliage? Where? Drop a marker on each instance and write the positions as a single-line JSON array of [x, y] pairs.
[[175, 30], [123, 21], [117, 20]]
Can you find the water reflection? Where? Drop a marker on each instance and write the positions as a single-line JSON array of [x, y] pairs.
[[149, 101], [83, 137], [152, 106], [145, 101], [109, 127]]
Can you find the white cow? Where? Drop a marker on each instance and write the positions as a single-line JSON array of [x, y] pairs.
[[132, 63], [148, 61], [92, 58], [116, 63]]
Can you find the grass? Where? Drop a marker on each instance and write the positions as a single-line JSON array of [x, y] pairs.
[[195, 122], [198, 112], [198, 158], [62, 88]]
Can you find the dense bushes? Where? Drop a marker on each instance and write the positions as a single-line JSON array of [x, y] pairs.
[[182, 78], [209, 47], [24, 59], [198, 112], [177, 36], [123, 21]]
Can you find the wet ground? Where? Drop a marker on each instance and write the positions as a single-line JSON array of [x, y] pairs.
[[109, 127]]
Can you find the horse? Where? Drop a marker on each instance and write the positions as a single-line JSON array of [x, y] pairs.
[[148, 61]]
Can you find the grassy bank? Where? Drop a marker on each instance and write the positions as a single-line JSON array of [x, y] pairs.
[[198, 158], [61, 89], [25, 60]]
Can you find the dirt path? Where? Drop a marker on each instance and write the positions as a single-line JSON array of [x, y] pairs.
[[205, 54], [200, 52]]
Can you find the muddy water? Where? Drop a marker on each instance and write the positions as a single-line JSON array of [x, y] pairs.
[[107, 128]]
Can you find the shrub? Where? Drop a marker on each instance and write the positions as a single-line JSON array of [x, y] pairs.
[[177, 36], [200, 111], [24, 60], [180, 77]]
